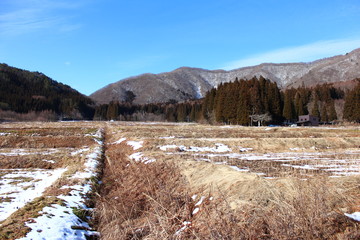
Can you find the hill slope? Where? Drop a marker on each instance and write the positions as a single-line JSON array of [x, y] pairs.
[[189, 83], [23, 91]]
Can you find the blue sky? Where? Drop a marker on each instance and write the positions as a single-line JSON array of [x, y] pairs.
[[88, 44]]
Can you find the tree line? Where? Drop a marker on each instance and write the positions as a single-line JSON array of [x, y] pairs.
[[244, 102], [258, 99], [190, 111]]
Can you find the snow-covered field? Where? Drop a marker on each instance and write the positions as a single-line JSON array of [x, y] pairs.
[[18, 187], [64, 190], [60, 219]]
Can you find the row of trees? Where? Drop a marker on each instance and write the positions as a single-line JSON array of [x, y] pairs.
[[236, 101], [190, 111], [260, 100]]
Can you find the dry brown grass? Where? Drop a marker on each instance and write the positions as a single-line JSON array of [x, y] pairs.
[[152, 201], [140, 201], [53, 161], [44, 142], [158, 202], [309, 212]]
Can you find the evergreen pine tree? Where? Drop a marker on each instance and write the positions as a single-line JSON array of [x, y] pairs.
[[208, 104], [288, 110], [315, 109], [324, 114], [219, 104], [112, 111], [332, 111], [243, 108], [352, 105]]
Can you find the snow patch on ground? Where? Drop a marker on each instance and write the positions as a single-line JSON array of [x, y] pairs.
[[170, 137], [184, 226], [20, 187], [60, 221], [348, 163], [166, 147], [136, 156], [55, 223], [91, 164], [77, 152], [24, 152], [187, 224], [200, 201], [139, 157], [135, 144], [49, 161], [239, 169], [119, 141], [300, 166], [242, 149], [219, 148], [355, 216], [195, 211]]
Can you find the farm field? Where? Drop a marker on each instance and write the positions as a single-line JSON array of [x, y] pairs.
[[46, 172], [129, 180], [234, 182]]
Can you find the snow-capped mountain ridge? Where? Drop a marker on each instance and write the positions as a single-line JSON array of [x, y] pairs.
[[190, 83]]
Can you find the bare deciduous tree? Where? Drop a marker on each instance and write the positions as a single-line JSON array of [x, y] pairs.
[[261, 118]]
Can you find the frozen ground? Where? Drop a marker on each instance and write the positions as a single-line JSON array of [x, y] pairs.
[[62, 221], [18, 187], [65, 218], [27, 151], [334, 164]]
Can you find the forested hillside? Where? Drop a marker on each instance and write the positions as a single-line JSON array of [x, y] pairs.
[[32, 93]]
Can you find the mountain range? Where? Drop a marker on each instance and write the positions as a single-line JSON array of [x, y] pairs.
[[192, 83]]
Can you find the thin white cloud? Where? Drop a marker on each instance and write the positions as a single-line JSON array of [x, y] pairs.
[[305, 53], [21, 17]]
